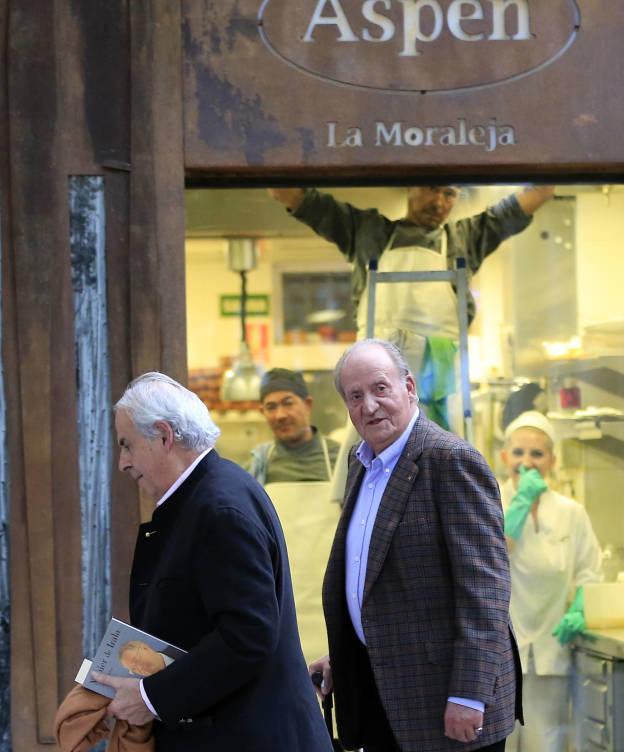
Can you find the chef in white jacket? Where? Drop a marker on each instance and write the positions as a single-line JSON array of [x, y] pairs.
[[553, 552]]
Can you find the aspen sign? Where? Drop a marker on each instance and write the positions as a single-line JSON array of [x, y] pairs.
[[418, 45], [362, 89]]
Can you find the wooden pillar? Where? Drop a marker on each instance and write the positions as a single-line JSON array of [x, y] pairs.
[[43, 319], [75, 73], [157, 309], [158, 313]]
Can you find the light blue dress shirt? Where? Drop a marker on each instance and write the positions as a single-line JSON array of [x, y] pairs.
[[378, 471]]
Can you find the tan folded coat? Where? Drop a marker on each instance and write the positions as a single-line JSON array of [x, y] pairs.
[[81, 723]]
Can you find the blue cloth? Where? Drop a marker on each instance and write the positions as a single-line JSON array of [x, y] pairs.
[[436, 379]]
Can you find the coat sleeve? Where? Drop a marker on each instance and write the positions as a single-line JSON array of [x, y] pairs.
[[481, 234], [234, 568], [472, 522], [360, 234]]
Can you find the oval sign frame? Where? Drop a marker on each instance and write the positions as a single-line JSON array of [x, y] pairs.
[[570, 5]]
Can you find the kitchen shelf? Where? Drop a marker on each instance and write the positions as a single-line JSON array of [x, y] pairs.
[[578, 366], [606, 427]]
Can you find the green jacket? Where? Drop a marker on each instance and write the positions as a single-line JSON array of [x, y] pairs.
[[303, 463]]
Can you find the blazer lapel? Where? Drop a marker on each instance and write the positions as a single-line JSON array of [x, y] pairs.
[[393, 502], [352, 488]]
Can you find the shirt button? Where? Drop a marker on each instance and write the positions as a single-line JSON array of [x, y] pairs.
[[370, 485], [387, 470], [357, 559], [362, 522]]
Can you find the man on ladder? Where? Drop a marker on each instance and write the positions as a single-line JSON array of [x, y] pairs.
[[420, 318]]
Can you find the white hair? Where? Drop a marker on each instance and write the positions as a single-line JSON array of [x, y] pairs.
[[155, 397], [393, 351]]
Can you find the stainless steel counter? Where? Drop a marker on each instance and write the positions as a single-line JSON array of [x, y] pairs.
[[598, 690], [609, 642]]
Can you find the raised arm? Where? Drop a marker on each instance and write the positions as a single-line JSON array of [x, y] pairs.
[[531, 199], [360, 234], [291, 198]]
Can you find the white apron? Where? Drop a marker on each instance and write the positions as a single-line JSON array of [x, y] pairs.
[[406, 313], [309, 521]]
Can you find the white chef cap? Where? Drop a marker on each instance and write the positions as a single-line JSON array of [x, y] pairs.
[[531, 419]]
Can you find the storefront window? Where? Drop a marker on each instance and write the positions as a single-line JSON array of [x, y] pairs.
[[546, 335]]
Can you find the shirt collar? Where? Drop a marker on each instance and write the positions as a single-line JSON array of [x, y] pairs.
[[182, 477], [391, 453]]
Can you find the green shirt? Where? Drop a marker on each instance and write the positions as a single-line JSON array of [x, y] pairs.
[[363, 234], [275, 462]]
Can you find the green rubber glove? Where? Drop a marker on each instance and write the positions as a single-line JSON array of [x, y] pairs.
[[573, 621], [530, 486]]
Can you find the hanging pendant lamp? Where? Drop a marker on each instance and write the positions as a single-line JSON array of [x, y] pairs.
[[241, 383]]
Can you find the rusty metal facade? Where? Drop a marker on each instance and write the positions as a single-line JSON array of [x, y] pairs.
[[403, 91]]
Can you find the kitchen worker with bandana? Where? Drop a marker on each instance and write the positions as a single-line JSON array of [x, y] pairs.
[[553, 553], [299, 452], [295, 470]]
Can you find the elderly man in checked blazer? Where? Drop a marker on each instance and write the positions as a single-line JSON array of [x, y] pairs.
[[422, 657]]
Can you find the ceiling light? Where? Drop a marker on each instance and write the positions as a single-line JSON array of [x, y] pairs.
[[241, 383]]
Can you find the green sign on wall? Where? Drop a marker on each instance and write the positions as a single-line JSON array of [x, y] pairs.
[[255, 305]]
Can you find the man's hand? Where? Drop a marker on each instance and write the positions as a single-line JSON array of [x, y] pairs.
[[291, 198], [127, 704], [323, 666], [462, 723]]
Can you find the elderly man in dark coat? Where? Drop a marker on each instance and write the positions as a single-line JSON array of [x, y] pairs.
[[210, 575]]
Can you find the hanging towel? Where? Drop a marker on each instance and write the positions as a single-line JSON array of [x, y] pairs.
[[436, 379]]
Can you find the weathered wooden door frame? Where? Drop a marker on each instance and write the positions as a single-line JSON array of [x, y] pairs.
[[87, 89]]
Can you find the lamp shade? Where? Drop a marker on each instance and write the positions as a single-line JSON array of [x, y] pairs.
[[242, 254], [242, 382]]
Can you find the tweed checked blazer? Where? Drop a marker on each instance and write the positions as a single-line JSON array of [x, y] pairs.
[[435, 607]]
